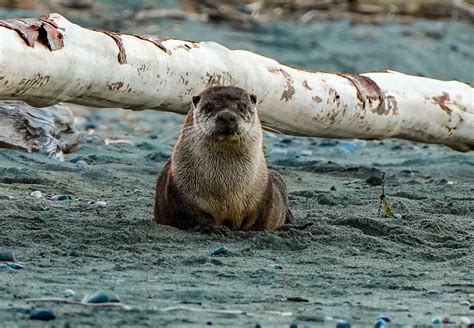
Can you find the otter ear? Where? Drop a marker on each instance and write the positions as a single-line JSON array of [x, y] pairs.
[[196, 100], [253, 99]]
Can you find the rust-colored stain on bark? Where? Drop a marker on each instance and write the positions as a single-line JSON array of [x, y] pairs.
[[368, 92], [306, 85], [41, 29], [441, 102], [37, 81], [290, 89], [218, 79], [115, 85], [122, 55], [156, 40]]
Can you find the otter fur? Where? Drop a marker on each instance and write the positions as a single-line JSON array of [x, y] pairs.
[[217, 174]]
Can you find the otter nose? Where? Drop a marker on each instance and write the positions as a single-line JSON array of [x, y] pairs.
[[226, 119]]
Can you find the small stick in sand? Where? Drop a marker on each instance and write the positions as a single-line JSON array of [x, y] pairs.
[[237, 312], [66, 301]]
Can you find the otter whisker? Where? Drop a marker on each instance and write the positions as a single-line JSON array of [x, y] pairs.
[[266, 127]]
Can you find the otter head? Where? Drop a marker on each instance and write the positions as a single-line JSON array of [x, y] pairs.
[[224, 112]]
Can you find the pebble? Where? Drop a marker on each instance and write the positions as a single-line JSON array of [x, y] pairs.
[[43, 207], [374, 181], [278, 152], [465, 320], [7, 256], [69, 293], [102, 296], [446, 320], [293, 325], [306, 153], [328, 319], [221, 250], [343, 324], [433, 292], [470, 325], [16, 266], [436, 321], [286, 140], [257, 325], [62, 197], [81, 164], [397, 216], [380, 323], [471, 307], [384, 317], [42, 314], [101, 203], [36, 194], [329, 143], [276, 266]]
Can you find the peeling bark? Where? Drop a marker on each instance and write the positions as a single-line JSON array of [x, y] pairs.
[[109, 69], [49, 130]]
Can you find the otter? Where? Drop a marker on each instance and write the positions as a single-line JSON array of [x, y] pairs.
[[217, 175]]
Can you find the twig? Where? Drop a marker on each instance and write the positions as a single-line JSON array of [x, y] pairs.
[[237, 312], [382, 196], [66, 301]]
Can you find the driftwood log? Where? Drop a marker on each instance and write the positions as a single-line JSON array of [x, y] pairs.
[[49, 60], [49, 130]]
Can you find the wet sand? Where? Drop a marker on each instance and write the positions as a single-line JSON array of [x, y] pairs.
[[339, 254]]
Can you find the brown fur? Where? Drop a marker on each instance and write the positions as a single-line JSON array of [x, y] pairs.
[[221, 180]]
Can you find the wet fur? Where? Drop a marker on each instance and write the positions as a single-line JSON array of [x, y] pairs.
[[220, 182]]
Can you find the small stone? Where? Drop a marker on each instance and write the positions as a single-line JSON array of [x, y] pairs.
[[16, 266], [101, 203], [68, 293], [470, 325], [306, 153], [465, 303], [343, 324], [81, 164], [384, 317], [433, 292], [36, 194], [471, 307], [333, 188], [328, 319], [221, 250], [397, 216], [446, 320], [257, 325], [278, 152], [374, 181], [62, 197], [380, 323], [277, 266], [43, 207], [102, 296], [7, 256], [464, 320], [42, 314], [286, 140], [436, 321], [293, 325]]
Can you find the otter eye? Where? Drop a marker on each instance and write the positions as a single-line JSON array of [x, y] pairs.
[[208, 107], [242, 107]]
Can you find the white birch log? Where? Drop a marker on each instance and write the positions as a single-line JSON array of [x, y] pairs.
[[49, 60]]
